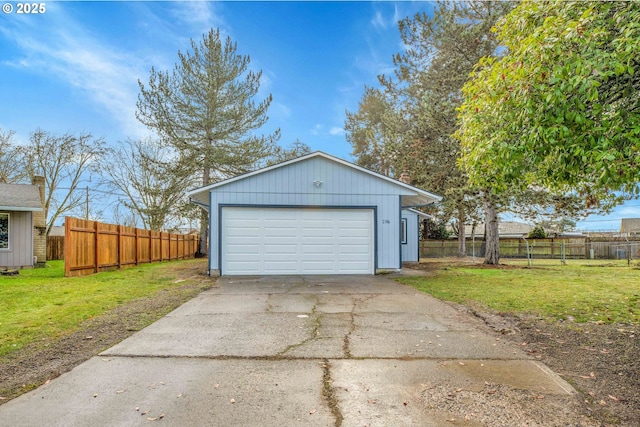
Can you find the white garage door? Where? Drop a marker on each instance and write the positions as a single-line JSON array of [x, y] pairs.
[[297, 241]]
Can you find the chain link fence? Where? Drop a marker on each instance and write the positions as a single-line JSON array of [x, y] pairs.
[[550, 249]]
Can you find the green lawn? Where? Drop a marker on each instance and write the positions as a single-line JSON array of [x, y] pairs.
[[584, 292], [42, 303]]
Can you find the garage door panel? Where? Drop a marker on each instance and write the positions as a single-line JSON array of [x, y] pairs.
[[243, 232], [247, 249], [280, 232], [327, 248], [351, 232], [280, 267], [282, 214], [353, 249], [322, 232], [297, 241], [284, 249], [251, 267]]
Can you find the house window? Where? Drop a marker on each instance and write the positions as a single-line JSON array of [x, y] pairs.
[[4, 231], [403, 232]]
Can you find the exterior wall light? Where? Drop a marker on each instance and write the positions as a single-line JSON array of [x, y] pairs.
[[317, 183]]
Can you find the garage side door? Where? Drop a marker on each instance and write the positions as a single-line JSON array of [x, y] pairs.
[[297, 241]]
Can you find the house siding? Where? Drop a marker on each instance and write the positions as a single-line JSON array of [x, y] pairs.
[[20, 252], [293, 186], [410, 249]]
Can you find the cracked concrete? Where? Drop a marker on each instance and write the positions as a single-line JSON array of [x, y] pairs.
[[288, 351]]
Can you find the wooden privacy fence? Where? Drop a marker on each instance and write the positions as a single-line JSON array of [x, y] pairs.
[[55, 248], [91, 246]]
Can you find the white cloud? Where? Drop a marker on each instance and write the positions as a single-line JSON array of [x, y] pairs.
[[378, 21], [66, 51], [336, 131]]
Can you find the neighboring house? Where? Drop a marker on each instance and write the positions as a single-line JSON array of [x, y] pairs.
[[505, 228], [410, 237], [22, 225], [316, 214], [630, 225], [57, 231]]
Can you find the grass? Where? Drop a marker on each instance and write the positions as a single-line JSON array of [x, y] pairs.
[[41, 303], [607, 293]]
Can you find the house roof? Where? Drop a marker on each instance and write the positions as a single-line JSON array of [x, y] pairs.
[[56, 230], [419, 196], [420, 213], [20, 197], [505, 228], [630, 225]]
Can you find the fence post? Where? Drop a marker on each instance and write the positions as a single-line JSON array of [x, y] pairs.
[[119, 247], [96, 230], [136, 247], [67, 246]]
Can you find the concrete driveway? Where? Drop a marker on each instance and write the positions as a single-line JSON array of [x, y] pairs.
[[292, 351]]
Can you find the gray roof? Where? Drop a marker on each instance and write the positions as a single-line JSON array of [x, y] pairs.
[[630, 225], [511, 228], [20, 197]]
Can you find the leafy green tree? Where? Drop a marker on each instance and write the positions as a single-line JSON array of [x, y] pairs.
[[561, 108], [436, 230], [372, 133], [205, 109], [558, 224], [425, 91], [538, 232]]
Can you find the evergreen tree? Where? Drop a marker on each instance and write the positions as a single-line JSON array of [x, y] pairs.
[[205, 109]]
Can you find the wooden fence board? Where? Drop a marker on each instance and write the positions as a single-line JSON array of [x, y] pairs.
[[91, 247], [55, 248]]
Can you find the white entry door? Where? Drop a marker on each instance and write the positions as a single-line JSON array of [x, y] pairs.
[[272, 241]]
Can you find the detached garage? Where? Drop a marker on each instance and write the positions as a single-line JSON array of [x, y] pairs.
[[316, 214]]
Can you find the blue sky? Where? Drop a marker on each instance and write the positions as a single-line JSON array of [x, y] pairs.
[[76, 67]]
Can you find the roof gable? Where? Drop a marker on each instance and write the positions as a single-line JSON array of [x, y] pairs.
[[408, 191], [20, 197]]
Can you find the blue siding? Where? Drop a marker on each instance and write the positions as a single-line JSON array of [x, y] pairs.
[[410, 249], [292, 185]]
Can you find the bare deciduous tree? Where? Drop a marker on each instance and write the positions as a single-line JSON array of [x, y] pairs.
[[11, 169], [61, 160], [140, 170]]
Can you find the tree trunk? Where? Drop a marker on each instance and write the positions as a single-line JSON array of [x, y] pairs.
[[203, 250], [462, 238], [492, 252], [204, 234]]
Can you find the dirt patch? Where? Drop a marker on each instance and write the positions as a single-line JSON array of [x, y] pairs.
[[601, 362], [37, 363], [501, 405]]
